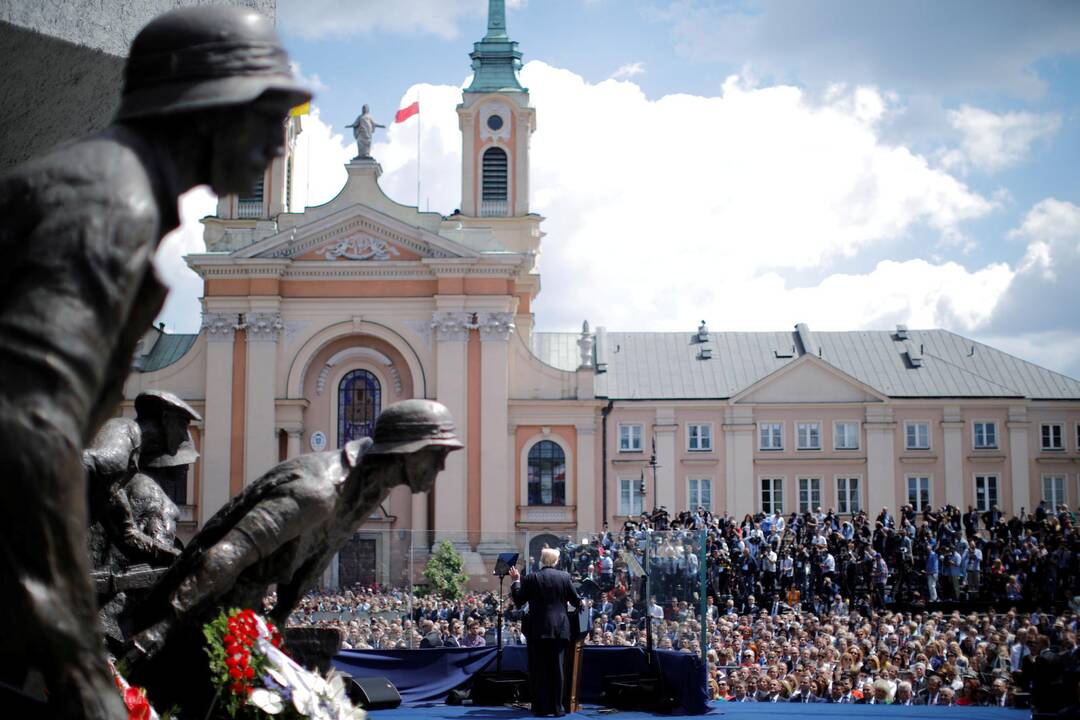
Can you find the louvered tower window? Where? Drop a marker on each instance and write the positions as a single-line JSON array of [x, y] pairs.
[[494, 193]]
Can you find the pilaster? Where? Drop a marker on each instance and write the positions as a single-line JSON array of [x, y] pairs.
[[953, 428], [584, 478], [739, 480], [880, 459], [260, 438], [1019, 459], [451, 382], [220, 329], [496, 495]]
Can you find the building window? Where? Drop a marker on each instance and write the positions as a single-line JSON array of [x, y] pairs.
[[359, 403], [985, 435], [1053, 489], [917, 435], [772, 495], [847, 495], [918, 492], [630, 501], [494, 183], [809, 436], [1053, 436], [986, 492], [771, 436], [630, 438], [699, 437], [547, 474], [809, 494], [846, 436], [699, 493]]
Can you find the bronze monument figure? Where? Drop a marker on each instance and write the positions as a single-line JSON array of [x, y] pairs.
[[284, 528], [206, 93]]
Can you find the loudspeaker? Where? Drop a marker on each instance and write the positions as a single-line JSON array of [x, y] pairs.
[[489, 688], [373, 693], [637, 692]]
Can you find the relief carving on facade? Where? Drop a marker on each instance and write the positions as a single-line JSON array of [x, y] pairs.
[[220, 327], [263, 326], [495, 325], [359, 248], [452, 325]]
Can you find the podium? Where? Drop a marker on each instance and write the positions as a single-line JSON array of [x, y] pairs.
[[579, 628]]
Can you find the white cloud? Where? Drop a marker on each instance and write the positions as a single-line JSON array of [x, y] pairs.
[[991, 142], [321, 18], [182, 312], [319, 161], [628, 70]]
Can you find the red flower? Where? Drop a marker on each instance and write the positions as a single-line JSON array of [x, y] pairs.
[[249, 672], [236, 672], [137, 705]]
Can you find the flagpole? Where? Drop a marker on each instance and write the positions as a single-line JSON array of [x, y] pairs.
[[419, 121]]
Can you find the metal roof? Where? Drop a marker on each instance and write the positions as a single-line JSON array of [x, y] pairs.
[[929, 363], [168, 349]]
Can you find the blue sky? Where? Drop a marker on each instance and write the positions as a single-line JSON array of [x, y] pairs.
[[849, 164]]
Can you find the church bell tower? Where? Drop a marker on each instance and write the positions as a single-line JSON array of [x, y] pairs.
[[496, 123]]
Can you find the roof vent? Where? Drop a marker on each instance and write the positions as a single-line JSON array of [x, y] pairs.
[[702, 333], [705, 354], [806, 339], [785, 353], [901, 332], [914, 354], [601, 350]]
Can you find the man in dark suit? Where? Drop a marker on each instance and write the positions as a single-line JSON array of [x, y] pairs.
[[547, 629]]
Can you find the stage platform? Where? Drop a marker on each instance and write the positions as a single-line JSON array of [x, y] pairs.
[[742, 711]]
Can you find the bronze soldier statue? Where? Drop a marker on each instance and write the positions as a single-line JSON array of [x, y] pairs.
[[206, 93], [284, 528]]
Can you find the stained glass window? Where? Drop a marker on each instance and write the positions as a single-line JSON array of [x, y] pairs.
[[359, 403], [547, 474]]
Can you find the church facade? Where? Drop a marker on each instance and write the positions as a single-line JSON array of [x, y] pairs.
[[313, 321]]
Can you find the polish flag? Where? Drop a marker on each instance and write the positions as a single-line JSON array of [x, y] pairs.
[[407, 112]]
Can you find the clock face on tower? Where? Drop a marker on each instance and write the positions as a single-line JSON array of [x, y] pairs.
[[494, 122]]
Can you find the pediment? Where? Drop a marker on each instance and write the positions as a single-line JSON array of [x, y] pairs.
[[808, 380], [355, 234]]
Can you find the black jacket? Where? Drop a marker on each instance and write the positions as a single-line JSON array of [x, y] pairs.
[[546, 591]]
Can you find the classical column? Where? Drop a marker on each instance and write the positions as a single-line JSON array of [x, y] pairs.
[[664, 433], [739, 481], [953, 429], [217, 415], [451, 382], [260, 439], [497, 487], [292, 446], [880, 460], [585, 480], [1019, 460]]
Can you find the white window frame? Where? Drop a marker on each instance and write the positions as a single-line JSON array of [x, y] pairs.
[[836, 435], [690, 482], [913, 423], [780, 436], [810, 486], [853, 487], [1054, 502], [918, 505], [809, 425], [1061, 437], [986, 503], [640, 437], [704, 441], [775, 488], [636, 497], [975, 435]]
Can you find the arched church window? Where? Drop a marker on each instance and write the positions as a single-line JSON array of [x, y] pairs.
[[359, 403], [495, 179], [547, 474]]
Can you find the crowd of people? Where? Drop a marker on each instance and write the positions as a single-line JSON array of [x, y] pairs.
[[939, 607]]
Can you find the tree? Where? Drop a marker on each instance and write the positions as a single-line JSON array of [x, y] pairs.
[[443, 572]]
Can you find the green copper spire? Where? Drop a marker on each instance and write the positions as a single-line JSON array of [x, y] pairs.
[[495, 59]]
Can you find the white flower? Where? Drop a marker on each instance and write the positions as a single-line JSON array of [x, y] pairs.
[[267, 701]]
